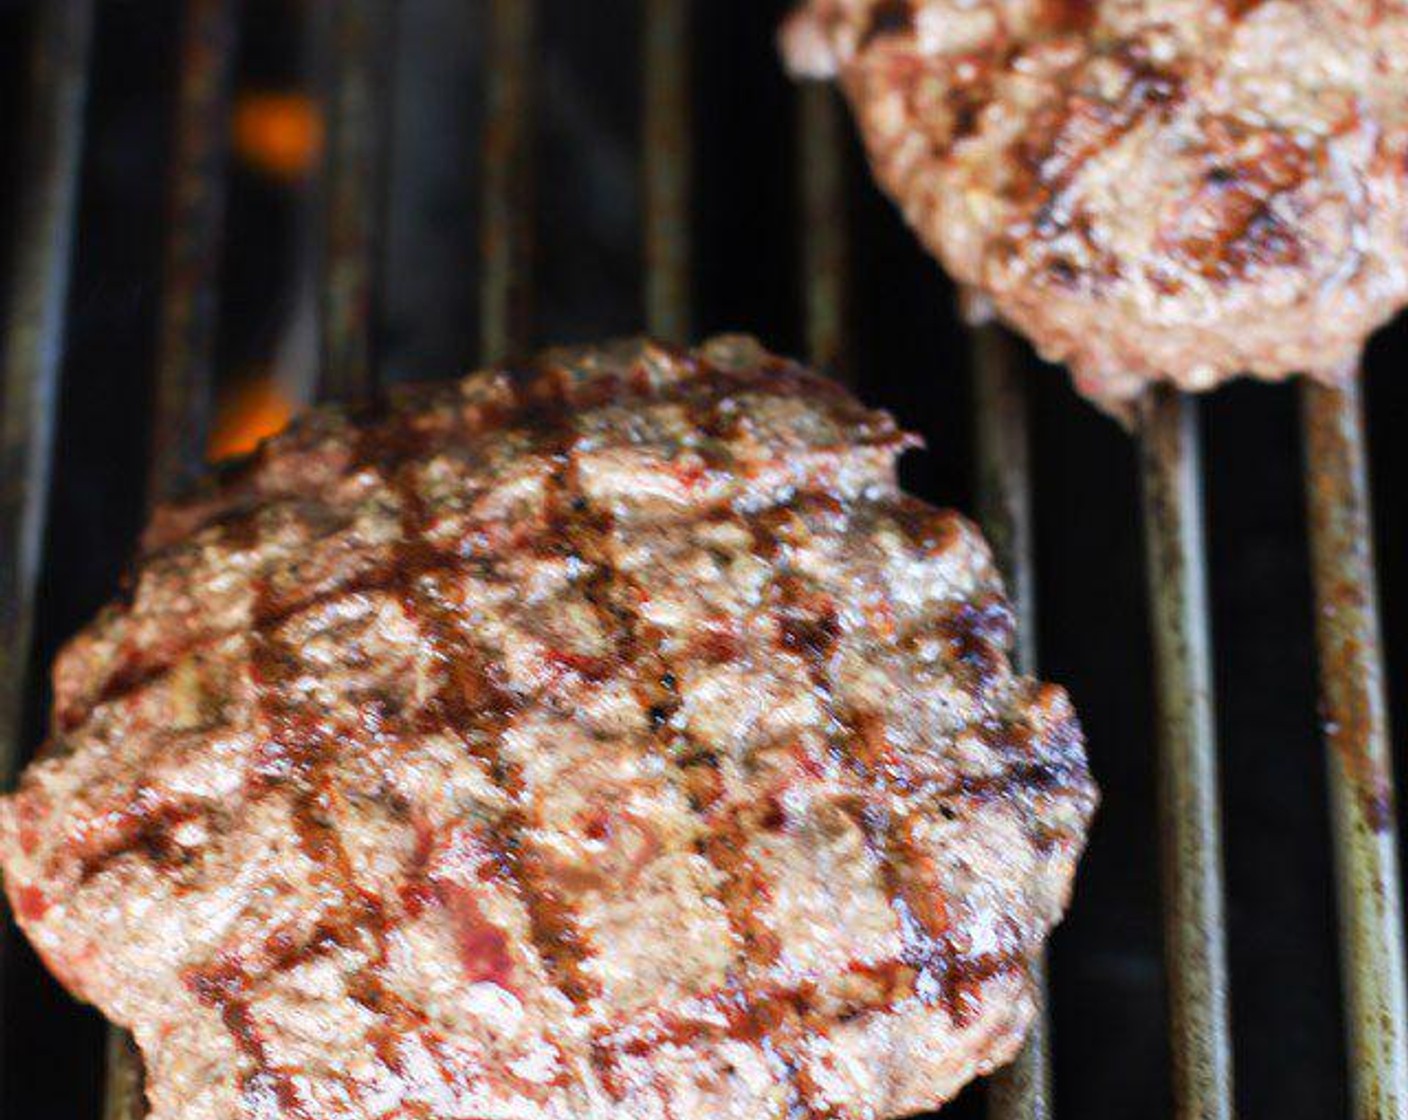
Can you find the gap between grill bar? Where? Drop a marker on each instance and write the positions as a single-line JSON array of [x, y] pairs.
[[1022, 1090], [506, 242], [34, 344], [1195, 931], [186, 334], [668, 166], [353, 203], [1358, 755]]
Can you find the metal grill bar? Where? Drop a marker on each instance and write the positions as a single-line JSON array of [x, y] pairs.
[[186, 332], [1021, 1091], [123, 1088], [186, 346], [1195, 932], [668, 167], [34, 342], [825, 253], [1004, 474], [34, 336], [1358, 755], [507, 237], [354, 202]]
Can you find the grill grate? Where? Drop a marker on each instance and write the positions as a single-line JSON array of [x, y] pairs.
[[1195, 929], [1361, 778], [359, 33]]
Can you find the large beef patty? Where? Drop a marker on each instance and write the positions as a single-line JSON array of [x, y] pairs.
[[606, 737], [1180, 189]]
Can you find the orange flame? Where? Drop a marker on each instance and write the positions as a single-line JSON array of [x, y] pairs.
[[278, 134], [248, 411]]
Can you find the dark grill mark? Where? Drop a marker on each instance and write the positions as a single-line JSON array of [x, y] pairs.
[[746, 886], [929, 531], [813, 638], [808, 627], [223, 988], [978, 632], [144, 826], [300, 758], [1063, 138], [470, 703], [968, 99], [639, 650], [132, 674], [941, 975], [1229, 228], [1030, 777], [730, 1013]]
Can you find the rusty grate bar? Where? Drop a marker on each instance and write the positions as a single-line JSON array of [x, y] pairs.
[[668, 167], [124, 1094], [186, 332], [186, 342], [506, 241], [1195, 931], [353, 186], [1022, 1090], [1358, 754], [825, 250]]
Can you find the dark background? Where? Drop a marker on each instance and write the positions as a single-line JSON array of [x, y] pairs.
[[909, 355]]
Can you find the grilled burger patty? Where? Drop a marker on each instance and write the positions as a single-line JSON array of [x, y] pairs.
[[608, 737], [1176, 189]]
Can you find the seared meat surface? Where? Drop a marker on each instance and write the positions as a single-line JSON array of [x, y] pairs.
[[1148, 189], [606, 737]]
